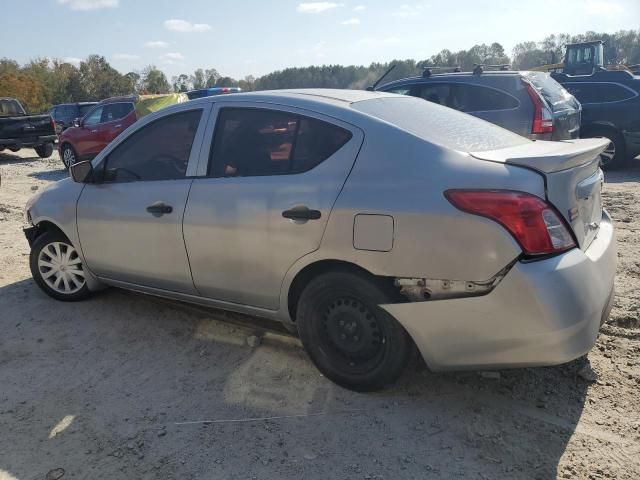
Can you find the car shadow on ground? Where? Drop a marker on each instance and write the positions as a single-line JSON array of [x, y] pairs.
[[7, 158], [127, 385], [630, 173], [50, 175]]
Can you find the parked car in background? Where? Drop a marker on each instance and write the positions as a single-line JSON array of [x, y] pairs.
[[531, 104], [20, 130], [369, 222], [210, 92], [65, 113], [611, 109], [106, 121]]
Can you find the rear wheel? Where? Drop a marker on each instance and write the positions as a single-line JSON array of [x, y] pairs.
[[57, 268], [349, 338], [44, 151], [615, 155], [68, 155]]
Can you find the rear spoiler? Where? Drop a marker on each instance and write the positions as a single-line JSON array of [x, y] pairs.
[[548, 157]]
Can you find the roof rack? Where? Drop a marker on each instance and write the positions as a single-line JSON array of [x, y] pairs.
[[478, 68], [427, 72]]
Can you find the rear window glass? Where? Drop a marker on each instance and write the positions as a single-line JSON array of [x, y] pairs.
[[10, 108], [440, 125], [551, 91]]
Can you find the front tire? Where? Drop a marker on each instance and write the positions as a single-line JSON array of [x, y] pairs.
[[68, 155], [349, 338], [57, 268], [44, 151]]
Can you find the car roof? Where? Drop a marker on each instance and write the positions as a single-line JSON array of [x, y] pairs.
[[314, 95], [441, 76]]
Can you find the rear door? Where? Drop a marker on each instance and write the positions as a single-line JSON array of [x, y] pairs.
[[272, 177]]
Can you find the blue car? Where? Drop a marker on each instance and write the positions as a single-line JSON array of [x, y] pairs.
[[210, 92]]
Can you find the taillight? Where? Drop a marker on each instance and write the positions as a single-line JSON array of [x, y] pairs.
[[542, 116], [536, 225], [53, 123]]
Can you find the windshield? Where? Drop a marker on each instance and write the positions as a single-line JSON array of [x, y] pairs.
[[440, 125], [10, 108]]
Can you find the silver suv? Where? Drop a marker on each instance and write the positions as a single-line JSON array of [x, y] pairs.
[[368, 222]]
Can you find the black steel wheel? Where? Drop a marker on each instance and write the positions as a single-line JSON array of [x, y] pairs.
[[350, 339]]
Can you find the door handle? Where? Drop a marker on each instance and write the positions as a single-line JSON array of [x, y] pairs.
[[94, 131], [301, 213], [159, 208], [117, 126]]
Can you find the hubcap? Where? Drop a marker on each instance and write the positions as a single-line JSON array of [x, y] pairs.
[[352, 331], [606, 157], [61, 268], [68, 157]]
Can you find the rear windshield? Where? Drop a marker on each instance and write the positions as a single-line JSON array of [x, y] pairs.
[[10, 108], [552, 91], [440, 125]]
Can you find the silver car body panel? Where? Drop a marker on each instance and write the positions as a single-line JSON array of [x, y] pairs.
[[239, 243], [239, 254]]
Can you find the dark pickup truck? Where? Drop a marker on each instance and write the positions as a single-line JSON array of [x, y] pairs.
[[19, 130]]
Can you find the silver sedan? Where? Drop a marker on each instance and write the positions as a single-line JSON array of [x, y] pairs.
[[370, 223]]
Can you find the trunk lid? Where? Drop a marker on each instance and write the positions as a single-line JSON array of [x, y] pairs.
[[573, 178]]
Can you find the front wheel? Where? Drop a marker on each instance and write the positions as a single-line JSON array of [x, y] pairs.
[[349, 338], [68, 155], [44, 151], [57, 268]]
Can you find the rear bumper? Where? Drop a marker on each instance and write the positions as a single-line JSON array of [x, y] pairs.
[[27, 142], [542, 313]]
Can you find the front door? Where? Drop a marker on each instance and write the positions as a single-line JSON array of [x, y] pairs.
[[130, 223], [273, 177]]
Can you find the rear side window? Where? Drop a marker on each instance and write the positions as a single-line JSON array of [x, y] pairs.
[[601, 92], [612, 92], [255, 142], [466, 97], [116, 111], [440, 126], [158, 151]]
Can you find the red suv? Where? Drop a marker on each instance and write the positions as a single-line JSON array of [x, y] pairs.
[[96, 129]]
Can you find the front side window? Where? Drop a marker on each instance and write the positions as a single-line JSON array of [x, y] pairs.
[[439, 93], [83, 109], [255, 142], [157, 151], [94, 117], [116, 111]]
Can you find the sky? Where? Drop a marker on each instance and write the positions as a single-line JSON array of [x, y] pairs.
[[257, 37]]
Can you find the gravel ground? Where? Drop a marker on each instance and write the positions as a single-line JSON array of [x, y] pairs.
[[128, 386]]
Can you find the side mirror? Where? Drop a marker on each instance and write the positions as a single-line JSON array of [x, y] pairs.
[[81, 172], [76, 122]]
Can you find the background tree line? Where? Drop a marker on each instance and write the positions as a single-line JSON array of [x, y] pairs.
[[41, 82]]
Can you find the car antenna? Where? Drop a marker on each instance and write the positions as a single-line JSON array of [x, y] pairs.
[[373, 87]]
